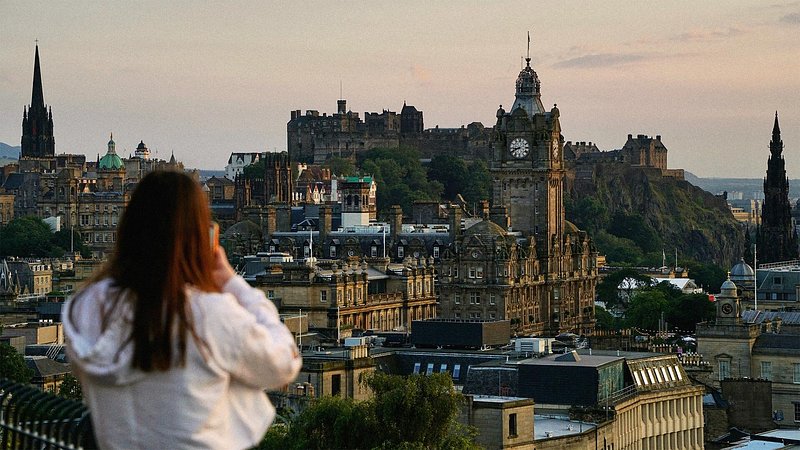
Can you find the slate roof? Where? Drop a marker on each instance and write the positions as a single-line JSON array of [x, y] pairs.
[[777, 344]]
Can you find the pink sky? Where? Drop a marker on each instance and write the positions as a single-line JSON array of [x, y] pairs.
[[205, 81]]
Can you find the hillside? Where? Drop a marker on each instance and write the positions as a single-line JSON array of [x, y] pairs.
[[8, 152], [622, 205]]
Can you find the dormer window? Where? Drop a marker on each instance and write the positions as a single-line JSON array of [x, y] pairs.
[[401, 252]]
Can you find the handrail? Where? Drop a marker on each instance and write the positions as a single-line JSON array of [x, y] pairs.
[[30, 418]]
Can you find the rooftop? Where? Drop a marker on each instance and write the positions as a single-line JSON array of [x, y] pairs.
[[547, 427]]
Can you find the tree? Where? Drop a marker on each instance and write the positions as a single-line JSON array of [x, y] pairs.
[[416, 412], [588, 214], [340, 166], [400, 177], [70, 388], [608, 289], [478, 185], [31, 236], [12, 365], [633, 227], [618, 250], [708, 276], [646, 308], [686, 311]]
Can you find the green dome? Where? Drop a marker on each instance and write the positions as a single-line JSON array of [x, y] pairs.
[[111, 162]]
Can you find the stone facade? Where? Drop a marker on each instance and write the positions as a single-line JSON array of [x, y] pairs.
[[502, 422]]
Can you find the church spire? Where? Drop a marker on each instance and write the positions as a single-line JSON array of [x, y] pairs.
[[37, 97], [776, 144]]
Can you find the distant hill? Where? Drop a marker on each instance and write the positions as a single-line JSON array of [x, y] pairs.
[[9, 152], [659, 213]]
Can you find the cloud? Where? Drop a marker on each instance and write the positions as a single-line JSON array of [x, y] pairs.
[[706, 35], [792, 19], [420, 74], [601, 60]]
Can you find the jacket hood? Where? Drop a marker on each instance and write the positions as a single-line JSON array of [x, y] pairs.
[[101, 351]]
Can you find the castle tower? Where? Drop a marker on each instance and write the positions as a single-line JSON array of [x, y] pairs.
[[37, 121], [527, 165], [278, 182], [777, 240]]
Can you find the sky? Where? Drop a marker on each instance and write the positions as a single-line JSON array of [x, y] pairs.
[[204, 79]]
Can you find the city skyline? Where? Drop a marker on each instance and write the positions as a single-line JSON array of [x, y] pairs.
[[205, 81]]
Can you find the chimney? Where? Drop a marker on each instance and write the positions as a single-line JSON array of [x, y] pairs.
[[658, 137], [324, 222], [484, 208], [499, 215], [341, 106], [395, 221], [269, 222], [283, 218], [455, 221], [294, 115], [630, 136]]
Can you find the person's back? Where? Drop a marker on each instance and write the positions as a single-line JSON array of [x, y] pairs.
[[209, 390]]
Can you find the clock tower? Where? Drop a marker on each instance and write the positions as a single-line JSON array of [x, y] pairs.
[[728, 304], [527, 165]]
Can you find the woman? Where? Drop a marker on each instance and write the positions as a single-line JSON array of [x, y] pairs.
[[173, 349]]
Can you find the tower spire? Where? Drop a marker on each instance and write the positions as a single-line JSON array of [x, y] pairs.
[[776, 130], [37, 97], [528, 57]]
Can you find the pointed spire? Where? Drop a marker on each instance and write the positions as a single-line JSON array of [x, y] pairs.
[[776, 129], [37, 97]]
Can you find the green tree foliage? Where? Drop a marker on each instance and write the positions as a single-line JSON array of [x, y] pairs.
[[341, 166], [70, 388], [589, 214], [608, 289], [709, 276], [400, 176], [605, 321], [619, 251], [31, 236], [687, 310], [472, 180], [417, 412], [645, 309], [255, 170], [633, 227], [12, 365]]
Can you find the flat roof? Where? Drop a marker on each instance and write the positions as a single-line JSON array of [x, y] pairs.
[[585, 361], [547, 427]]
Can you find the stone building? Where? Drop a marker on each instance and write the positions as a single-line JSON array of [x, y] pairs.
[[777, 240], [537, 268], [754, 349], [343, 295]]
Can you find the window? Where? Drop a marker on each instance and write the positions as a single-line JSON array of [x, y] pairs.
[[491, 299], [436, 252], [306, 251], [429, 370], [471, 272], [766, 370], [333, 251], [492, 316], [474, 298], [443, 368], [479, 272], [797, 412], [777, 280], [512, 425], [401, 252], [373, 251], [270, 294], [323, 296], [456, 370], [724, 369], [457, 299], [455, 272], [796, 377], [416, 367], [336, 385]]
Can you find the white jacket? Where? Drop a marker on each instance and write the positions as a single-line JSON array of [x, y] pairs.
[[216, 402]]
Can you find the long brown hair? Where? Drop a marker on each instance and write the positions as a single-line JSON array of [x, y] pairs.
[[162, 248]]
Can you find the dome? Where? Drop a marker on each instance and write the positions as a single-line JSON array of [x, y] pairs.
[[246, 229], [728, 289], [485, 228], [141, 146], [742, 271], [111, 162]]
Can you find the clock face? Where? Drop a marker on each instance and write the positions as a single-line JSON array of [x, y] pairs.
[[555, 149], [476, 253], [727, 308], [519, 148]]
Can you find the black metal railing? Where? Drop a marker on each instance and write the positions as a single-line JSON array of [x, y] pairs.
[[32, 419]]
